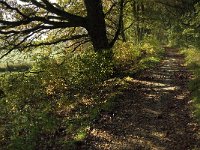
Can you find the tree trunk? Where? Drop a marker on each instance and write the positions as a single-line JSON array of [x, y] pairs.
[[123, 32], [96, 26], [138, 12]]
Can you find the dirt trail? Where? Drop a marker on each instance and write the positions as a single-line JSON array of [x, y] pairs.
[[154, 112]]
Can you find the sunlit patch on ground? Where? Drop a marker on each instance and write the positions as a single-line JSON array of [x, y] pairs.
[[181, 96], [159, 134], [147, 83], [152, 114], [102, 134], [170, 88]]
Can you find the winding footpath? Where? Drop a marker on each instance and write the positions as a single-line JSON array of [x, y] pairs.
[[153, 113]]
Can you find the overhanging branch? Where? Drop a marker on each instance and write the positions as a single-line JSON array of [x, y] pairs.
[[30, 45], [57, 41]]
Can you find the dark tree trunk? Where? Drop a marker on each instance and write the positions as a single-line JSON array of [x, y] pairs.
[[138, 12], [142, 33], [135, 8], [123, 32], [96, 26]]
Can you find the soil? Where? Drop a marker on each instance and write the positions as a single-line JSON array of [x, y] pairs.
[[153, 113]]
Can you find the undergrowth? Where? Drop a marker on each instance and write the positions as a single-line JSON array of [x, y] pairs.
[[130, 58], [193, 63], [53, 105]]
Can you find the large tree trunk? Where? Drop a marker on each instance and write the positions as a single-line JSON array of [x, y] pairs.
[[96, 26]]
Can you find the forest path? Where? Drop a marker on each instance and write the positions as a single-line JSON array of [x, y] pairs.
[[154, 112]]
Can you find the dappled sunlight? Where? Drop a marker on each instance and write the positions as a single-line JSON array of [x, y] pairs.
[[147, 83], [170, 88], [159, 135], [181, 96], [139, 139], [151, 114], [151, 96], [97, 133], [87, 101]]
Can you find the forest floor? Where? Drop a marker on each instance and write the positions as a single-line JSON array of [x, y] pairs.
[[153, 113]]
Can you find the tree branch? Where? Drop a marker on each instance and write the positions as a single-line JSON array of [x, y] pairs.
[[71, 17], [20, 46], [12, 8], [110, 9], [117, 33]]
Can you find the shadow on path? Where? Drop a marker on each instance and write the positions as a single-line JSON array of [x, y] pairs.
[[154, 112]]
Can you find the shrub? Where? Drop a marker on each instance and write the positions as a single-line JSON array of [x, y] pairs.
[[128, 56], [126, 53], [31, 111], [193, 62]]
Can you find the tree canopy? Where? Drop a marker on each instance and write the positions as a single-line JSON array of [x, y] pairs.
[[26, 24]]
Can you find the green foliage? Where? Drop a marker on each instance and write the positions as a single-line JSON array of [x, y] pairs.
[[149, 62], [74, 72], [193, 62], [59, 93], [128, 56], [151, 45], [52, 106], [190, 42], [191, 50], [31, 112], [175, 37], [153, 51], [62, 92], [125, 53], [186, 32]]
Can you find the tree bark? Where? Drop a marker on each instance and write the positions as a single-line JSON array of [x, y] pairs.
[[138, 12], [96, 26], [123, 35]]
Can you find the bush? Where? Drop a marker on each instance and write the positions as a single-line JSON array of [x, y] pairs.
[[35, 102], [125, 53], [80, 70], [193, 62], [151, 46], [52, 105], [128, 56]]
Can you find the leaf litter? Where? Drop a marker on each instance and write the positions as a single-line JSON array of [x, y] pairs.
[[154, 112]]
